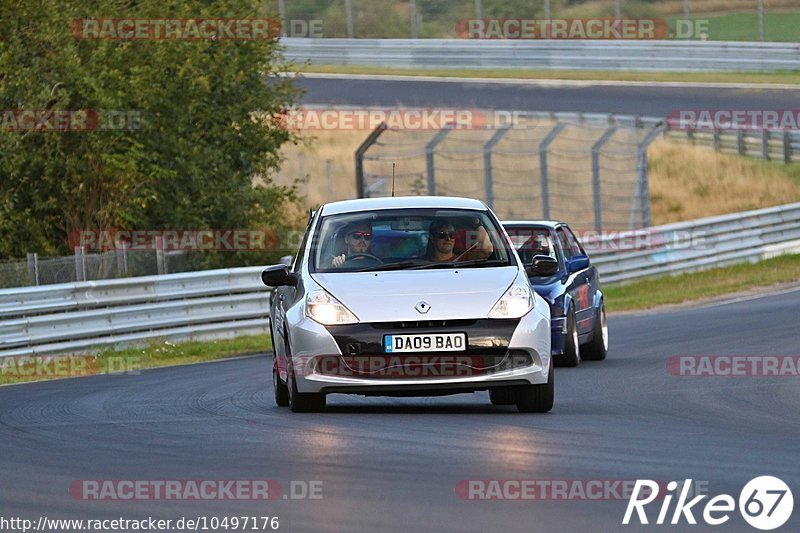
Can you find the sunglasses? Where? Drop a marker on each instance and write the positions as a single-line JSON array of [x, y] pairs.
[[444, 235], [361, 235]]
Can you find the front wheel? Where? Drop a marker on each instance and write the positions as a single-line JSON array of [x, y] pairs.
[[280, 388], [597, 348], [537, 398], [302, 402], [572, 348], [503, 396]]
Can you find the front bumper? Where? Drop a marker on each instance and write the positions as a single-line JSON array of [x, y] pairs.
[[558, 333], [350, 359]]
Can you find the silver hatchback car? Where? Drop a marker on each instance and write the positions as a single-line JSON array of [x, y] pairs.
[[410, 296]]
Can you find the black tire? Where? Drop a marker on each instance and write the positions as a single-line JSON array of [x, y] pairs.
[[572, 349], [503, 396], [281, 390], [301, 402], [537, 398], [597, 348]]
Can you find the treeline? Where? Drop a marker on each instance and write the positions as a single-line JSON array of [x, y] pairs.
[[136, 134]]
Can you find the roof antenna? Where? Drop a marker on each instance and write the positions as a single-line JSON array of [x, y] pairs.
[[393, 180]]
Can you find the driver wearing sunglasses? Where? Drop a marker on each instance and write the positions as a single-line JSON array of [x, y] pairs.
[[441, 243], [358, 240]]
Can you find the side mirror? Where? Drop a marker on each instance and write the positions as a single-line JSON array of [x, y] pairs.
[[578, 262], [278, 276], [542, 265]]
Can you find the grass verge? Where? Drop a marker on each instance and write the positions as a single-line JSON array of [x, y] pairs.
[[128, 360], [733, 78], [649, 293]]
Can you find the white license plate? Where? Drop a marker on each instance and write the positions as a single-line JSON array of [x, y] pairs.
[[429, 342]]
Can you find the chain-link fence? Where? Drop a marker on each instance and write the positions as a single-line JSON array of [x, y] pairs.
[[94, 266], [590, 172], [731, 20]]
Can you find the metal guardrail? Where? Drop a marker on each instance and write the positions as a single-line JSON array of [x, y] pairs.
[[698, 244], [76, 317], [79, 317], [782, 146], [547, 54]]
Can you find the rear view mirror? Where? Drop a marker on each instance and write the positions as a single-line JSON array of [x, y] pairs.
[[542, 265], [278, 276], [577, 263]]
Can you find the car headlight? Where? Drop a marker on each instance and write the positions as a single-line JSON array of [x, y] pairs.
[[327, 310], [516, 302]]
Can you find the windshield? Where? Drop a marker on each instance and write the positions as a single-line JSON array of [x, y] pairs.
[[529, 242], [408, 239]]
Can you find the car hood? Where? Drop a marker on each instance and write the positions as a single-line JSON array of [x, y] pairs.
[[392, 296]]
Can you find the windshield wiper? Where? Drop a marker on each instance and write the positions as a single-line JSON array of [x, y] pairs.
[[462, 264], [390, 266]]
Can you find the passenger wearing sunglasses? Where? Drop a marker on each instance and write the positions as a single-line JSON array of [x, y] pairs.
[[441, 243], [358, 239]]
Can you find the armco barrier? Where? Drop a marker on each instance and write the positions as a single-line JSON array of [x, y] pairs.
[[77, 317], [698, 244], [547, 54]]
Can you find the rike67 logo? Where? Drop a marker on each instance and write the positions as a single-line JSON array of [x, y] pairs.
[[765, 503]]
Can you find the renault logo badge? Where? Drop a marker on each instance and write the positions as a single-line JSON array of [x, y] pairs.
[[422, 306]]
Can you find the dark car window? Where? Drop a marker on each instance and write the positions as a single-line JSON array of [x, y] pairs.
[[408, 239], [530, 242], [574, 246], [565, 244]]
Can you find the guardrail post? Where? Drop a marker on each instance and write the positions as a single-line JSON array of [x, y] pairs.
[[740, 142], [690, 135], [717, 143], [549, 138], [371, 139], [80, 264], [430, 150], [122, 259], [765, 144], [282, 16], [598, 207], [787, 146], [348, 9], [160, 262], [413, 10], [33, 268], [642, 195], [487, 163]]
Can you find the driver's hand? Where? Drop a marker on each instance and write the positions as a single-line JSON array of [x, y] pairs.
[[338, 260]]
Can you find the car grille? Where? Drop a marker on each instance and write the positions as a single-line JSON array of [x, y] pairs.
[[423, 324]]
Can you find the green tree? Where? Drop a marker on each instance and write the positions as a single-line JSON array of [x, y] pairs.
[[204, 132]]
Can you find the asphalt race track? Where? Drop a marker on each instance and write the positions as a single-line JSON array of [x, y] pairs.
[[390, 464], [642, 100]]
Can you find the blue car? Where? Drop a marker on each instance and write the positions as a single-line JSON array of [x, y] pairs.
[[560, 272]]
